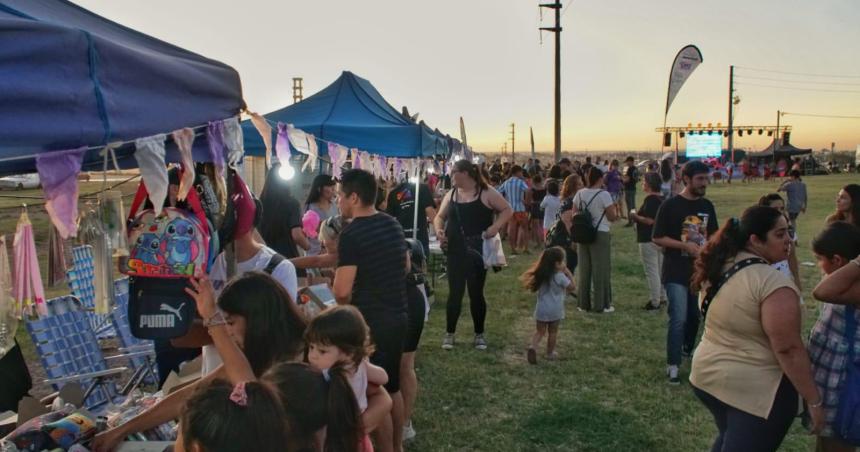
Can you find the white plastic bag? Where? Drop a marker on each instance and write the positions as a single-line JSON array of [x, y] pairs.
[[494, 255]]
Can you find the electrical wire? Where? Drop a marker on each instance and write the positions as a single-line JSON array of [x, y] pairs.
[[795, 88], [804, 74], [814, 115], [795, 81]]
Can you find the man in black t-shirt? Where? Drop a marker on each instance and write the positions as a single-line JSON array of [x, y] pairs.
[[371, 275], [401, 205], [682, 227], [630, 178]]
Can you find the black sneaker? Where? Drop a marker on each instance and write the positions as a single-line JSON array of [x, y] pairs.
[[651, 307]]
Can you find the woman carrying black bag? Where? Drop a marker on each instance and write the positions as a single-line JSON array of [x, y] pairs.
[[464, 219]]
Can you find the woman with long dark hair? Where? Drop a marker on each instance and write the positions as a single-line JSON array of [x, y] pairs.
[[751, 363], [265, 323], [321, 201], [281, 222], [847, 205], [667, 176], [465, 218]]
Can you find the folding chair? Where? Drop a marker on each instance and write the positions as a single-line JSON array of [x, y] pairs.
[[81, 282], [144, 366], [69, 351]]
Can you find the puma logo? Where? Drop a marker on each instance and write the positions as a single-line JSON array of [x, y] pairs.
[[176, 312]]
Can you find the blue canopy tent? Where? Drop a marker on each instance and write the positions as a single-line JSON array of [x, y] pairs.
[[70, 78], [351, 112]]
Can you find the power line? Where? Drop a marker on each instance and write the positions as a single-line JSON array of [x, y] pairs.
[[795, 88], [805, 74], [564, 10], [796, 81], [821, 116]]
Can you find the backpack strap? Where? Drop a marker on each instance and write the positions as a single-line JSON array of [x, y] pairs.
[[589, 203], [712, 291], [274, 261]]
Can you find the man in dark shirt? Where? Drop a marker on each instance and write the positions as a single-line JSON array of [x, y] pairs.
[[630, 178], [401, 205], [651, 254], [682, 227], [371, 274]]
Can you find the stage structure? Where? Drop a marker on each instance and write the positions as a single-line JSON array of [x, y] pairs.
[[719, 129]]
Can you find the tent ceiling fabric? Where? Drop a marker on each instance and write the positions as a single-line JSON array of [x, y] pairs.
[[351, 112], [70, 78], [784, 150]]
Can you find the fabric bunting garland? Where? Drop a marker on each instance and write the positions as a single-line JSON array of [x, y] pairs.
[[282, 144], [298, 139], [150, 159], [233, 141], [265, 131], [313, 153], [338, 155], [215, 137], [29, 293], [184, 139], [58, 173]]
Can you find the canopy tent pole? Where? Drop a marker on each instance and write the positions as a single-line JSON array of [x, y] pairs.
[[417, 197]]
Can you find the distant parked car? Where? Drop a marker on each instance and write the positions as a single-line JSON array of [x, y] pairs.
[[20, 182]]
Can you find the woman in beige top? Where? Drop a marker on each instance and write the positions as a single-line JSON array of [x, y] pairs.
[[751, 363]]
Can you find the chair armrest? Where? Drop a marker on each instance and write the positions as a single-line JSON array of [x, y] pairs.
[[98, 374], [137, 348], [130, 355], [49, 399]]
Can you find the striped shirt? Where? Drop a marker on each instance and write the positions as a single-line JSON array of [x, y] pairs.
[[514, 191], [377, 247]]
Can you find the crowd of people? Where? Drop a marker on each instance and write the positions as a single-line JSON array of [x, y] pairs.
[[345, 379]]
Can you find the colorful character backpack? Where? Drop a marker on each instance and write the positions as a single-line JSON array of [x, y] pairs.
[[166, 250]]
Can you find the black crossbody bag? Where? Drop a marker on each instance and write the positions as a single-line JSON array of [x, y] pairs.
[[712, 291]]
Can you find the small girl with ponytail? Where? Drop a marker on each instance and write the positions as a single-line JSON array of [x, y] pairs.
[[552, 281], [221, 417]]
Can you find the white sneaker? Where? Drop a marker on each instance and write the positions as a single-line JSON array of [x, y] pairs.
[[672, 373], [408, 432], [448, 341], [480, 342], [609, 310]]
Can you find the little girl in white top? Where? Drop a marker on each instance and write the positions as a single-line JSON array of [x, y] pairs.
[[340, 336]]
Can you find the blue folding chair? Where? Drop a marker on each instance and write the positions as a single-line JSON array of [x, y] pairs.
[[70, 352], [81, 278], [144, 366]]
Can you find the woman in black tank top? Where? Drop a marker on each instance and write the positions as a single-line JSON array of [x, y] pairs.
[[469, 212]]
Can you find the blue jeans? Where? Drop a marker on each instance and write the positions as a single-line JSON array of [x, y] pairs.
[[683, 321]]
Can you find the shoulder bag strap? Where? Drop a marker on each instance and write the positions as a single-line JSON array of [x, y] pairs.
[[274, 261], [712, 291]]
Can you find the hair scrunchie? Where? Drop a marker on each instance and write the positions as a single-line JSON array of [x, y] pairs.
[[239, 396]]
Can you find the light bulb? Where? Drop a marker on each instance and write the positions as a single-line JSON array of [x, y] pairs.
[[286, 172]]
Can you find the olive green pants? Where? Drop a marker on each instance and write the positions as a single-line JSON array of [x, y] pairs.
[[595, 269]]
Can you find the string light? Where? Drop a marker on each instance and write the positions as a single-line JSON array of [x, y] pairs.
[[286, 171]]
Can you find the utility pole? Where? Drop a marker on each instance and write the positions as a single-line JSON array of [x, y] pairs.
[[776, 139], [557, 30], [731, 112], [513, 142], [297, 90]]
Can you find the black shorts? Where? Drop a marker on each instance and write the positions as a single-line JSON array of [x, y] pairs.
[[415, 309], [388, 337]]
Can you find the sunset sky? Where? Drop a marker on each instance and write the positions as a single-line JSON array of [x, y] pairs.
[[482, 59]]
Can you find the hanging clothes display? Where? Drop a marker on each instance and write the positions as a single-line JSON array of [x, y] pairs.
[[8, 319], [112, 214], [338, 155], [56, 257], [233, 141], [29, 293], [92, 233], [184, 139]]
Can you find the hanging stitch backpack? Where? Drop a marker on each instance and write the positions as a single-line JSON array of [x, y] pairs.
[[166, 250]]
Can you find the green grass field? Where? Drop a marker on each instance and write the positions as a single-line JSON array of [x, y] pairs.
[[607, 393]]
